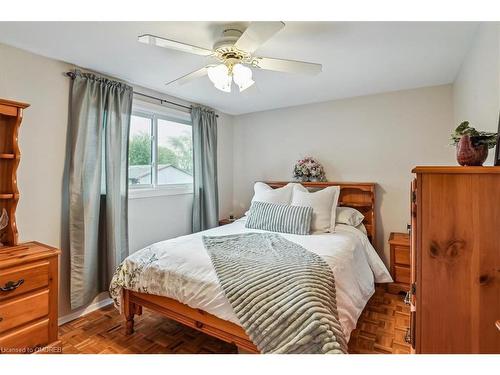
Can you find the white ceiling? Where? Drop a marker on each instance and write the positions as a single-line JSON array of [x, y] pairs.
[[359, 58]]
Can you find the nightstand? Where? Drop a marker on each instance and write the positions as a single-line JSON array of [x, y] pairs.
[[400, 262], [226, 221]]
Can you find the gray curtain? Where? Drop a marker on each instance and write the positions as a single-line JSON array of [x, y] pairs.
[[100, 111], [206, 199]]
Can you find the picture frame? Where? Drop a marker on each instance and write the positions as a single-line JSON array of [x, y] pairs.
[[496, 161]]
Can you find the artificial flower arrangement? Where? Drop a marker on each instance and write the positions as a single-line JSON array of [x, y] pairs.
[[308, 169]]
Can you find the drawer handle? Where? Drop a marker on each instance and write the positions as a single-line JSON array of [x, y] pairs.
[[408, 336], [11, 285], [407, 299]]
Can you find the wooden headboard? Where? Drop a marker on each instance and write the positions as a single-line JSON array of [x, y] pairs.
[[358, 195]]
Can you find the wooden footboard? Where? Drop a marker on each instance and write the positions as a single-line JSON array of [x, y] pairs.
[[194, 318]]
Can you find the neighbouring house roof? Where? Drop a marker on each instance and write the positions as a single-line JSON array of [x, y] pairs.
[[138, 172]]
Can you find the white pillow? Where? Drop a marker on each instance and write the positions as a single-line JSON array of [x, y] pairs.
[[323, 203], [349, 216], [265, 193], [362, 228]]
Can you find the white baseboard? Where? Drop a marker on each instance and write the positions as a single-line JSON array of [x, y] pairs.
[[86, 310]]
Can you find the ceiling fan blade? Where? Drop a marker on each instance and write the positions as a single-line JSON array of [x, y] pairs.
[[257, 34], [190, 76], [172, 44], [287, 66]]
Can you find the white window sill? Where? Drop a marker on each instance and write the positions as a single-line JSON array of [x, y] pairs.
[[181, 189]]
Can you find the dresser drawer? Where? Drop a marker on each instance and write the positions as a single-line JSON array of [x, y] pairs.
[[27, 277], [21, 310], [402, 274], [24, 339], [402, 255], [28, 297]]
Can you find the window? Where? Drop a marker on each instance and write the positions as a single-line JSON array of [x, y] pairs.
[[160, 153], [140, 151]]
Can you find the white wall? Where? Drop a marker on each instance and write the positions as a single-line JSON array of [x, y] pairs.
[[158, 218], [376, 138], [42, 210], [476, 91]]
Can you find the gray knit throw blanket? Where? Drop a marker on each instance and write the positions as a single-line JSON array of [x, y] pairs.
[[282, 294]]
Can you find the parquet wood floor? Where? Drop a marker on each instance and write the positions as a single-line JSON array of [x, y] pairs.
[[380, 329], [382, 326]]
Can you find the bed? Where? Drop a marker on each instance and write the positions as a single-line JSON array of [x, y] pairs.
[[178, 279]]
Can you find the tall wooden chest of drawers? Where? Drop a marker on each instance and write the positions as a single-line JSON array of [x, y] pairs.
[[455, 256], [28, 298]]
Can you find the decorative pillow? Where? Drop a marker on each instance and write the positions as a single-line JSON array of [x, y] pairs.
[[349, 216], [323, 203], [265, 193], [280, 218]]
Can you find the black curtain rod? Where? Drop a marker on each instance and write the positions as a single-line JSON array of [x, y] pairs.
[[162, 100], [72, 75]]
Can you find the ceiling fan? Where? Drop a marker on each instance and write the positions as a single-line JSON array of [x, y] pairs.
[[233, 55]]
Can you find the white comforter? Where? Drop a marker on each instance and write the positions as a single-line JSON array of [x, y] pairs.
[[188, 276]]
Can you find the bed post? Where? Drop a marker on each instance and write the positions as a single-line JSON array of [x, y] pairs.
[[129, 309]]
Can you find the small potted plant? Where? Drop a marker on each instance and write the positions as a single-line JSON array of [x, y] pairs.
[[308, 169], [472, 145]]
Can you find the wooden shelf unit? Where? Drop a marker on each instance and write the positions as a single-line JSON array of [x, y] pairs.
[[11, 114]]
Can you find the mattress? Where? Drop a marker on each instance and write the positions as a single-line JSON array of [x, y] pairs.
[[186, 274]]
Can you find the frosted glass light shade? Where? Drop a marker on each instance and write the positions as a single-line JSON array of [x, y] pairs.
[[219, 75], [242, 76]]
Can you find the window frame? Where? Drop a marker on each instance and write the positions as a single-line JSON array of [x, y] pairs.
[[155, 113]]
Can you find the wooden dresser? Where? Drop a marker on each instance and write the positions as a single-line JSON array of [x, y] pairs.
[[28, 298], [29, 271], [455, 255]]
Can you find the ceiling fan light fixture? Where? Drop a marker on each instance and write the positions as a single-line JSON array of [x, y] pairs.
[[242, 76], [235, 50], [226, 87], [220, 77]]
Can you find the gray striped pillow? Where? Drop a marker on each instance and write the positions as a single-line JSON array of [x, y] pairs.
[[279, 218]]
